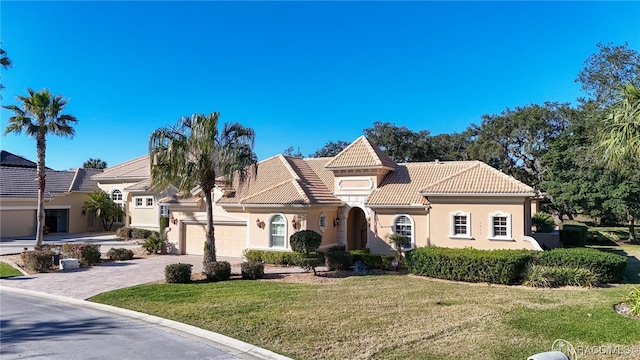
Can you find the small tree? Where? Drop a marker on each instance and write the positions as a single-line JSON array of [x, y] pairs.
[[305, 242], [101, 204], [399, 241]]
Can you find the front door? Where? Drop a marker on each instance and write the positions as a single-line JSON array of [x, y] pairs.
[[357, 229]]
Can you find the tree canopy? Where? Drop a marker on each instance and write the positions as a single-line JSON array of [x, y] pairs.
[[94, 164]]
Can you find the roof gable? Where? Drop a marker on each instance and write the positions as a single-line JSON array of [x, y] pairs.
[[13, 160], [361, 154]]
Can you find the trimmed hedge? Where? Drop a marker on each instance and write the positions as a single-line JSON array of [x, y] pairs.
[[120, 254], [607, 266], [573, 235], [87, 254], [218, 270], [252, 270], [178, 273], [377, 261], [338, 260], [491, 266], [272, 257], [124, 232]]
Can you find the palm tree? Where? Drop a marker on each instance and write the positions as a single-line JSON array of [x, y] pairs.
[[5, 63], [195, 152], [39, 116], [94, 164], [102, 206], [620, 140]]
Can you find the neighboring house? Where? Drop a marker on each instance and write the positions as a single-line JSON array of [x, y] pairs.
[[65, 194], [357, 199], [129, 186]]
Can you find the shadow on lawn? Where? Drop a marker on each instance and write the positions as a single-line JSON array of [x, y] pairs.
[[632, 272]]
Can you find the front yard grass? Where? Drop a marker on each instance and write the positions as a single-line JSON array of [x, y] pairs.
[[392, 316], [7, 270]]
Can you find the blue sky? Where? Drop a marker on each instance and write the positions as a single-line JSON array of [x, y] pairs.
[[299, 73]]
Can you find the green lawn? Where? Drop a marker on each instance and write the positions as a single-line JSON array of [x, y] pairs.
[[391, 316], [7, 270]]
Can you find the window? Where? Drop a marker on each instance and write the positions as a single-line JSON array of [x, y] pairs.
[[164, 210], [116, 195], [143, 201], [403, 224], [460, 225], [322, 221], [278, 224], [500, 226]]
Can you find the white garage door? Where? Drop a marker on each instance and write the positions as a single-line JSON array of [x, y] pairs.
[[15, 223], [231, 240]]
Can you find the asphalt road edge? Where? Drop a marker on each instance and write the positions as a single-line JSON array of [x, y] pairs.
[[230, 345]]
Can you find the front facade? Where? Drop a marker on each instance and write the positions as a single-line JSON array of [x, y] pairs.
[[358, 199], [65, 194]]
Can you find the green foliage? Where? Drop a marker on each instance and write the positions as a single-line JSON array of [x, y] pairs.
[[338, 260], [607, 266], [544, 222], [124, 232], [178, 273], [87, 254], [308, 263], [155, 245], [573, 235], [164, 223], [252, 270], [556, 276], [37, 260], [272, 257], [94, 164], [7, 271], [337, 248], [495, 266], [378, 261], [218, 270], [305, 241], [137, 233], [120, 254], [101, 204], [633, 300]]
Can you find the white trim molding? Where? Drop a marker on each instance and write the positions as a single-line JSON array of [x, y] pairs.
[[492, 228], [452, 225], [412, 238]]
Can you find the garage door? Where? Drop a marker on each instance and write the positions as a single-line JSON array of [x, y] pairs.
[[231, 240], [17, 223]]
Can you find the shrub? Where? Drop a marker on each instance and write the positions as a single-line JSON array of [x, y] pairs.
[[573, 235], [336, 248], [543, 222], [252, 270], [178, 273], [218, 270], [377, 261], [124, 232], [338, 260], [55, 248], [308, 264], [556, 276], [491, 266], [120, 254], [272, 257], [37, 260], [607, 266], [137, 233], [155, 244], [87, 254], [633, 300], [305, 241]]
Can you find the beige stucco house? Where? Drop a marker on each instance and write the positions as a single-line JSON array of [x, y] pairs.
[[357, 199], [65, 194]]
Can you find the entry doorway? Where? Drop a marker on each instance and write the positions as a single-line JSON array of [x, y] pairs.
[[57, 220], [357, 229]]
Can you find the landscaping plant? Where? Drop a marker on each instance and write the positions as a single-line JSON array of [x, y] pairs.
[[305, 242], [217, 270], [252, 270], [120, 254], [633, 300], [178, 273]]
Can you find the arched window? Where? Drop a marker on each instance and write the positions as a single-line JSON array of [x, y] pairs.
[[403, 224], [278, 230], [116, 196]]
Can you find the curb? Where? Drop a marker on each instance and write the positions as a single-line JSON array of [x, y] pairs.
[[230, 345]]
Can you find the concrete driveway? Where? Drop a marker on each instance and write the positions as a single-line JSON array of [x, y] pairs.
[[90, 281], [106, 241]]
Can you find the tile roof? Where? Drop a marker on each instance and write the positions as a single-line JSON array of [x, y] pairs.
[[144, 185], [361, 154], [138, 168], [16, 182], [318, 166], [281, 180], [9, 159]]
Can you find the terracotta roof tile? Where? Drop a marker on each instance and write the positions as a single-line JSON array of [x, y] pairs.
[[361, 154]]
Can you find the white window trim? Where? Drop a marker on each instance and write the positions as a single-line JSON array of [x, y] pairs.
[[412, 239], [452, 225], [286, 232], [492, 236], [144, 202], [120, 203], [322, 228]]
